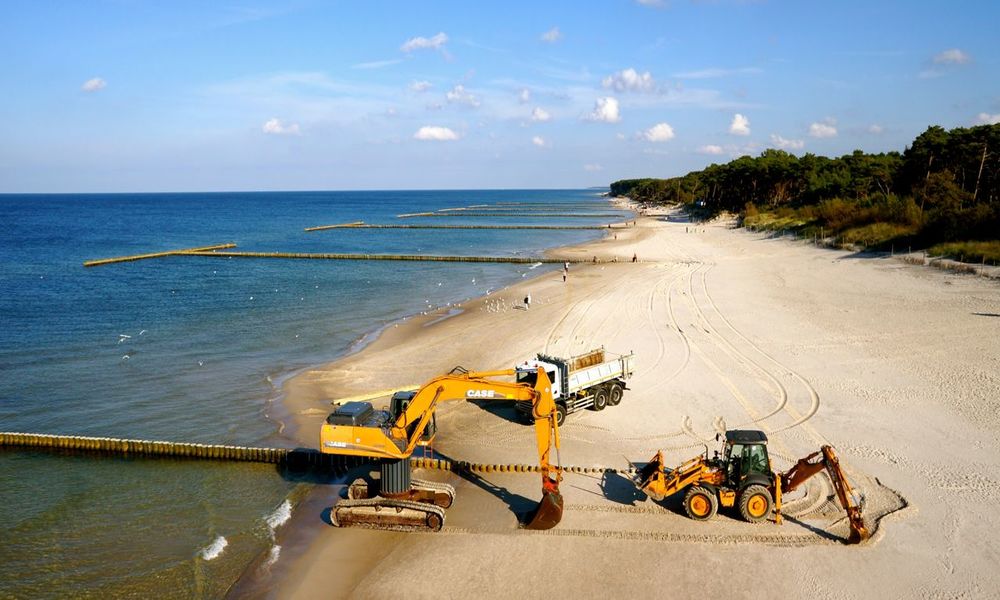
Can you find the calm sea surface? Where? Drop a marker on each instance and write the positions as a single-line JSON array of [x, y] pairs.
[[194, 349]]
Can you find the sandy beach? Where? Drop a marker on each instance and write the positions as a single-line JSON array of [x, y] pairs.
[[894, 365]]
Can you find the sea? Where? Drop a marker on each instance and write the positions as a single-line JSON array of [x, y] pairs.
[[195, 349]]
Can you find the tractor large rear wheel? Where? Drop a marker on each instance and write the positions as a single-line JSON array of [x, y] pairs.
[[755, 504], [700, 503]]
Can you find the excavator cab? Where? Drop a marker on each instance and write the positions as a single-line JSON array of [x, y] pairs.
[[397, 407]]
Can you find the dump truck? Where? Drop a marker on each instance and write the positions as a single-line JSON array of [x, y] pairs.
[[593, 380]]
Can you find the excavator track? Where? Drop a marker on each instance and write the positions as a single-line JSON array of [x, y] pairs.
[[386, 514], [423, 491]]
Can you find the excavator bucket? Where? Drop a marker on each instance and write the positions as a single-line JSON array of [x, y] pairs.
[[549, 511], [859, 532]]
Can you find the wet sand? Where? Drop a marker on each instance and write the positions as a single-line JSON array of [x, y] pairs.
[[894, 365]]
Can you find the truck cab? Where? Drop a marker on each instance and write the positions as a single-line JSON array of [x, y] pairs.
[[527, 372]]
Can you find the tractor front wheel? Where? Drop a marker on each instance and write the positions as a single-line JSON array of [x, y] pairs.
[[700, 504]]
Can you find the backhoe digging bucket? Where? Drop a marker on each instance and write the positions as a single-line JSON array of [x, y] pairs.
[[549, 511]]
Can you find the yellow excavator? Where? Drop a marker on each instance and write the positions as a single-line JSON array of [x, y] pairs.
[[742, 476], [403, 503]]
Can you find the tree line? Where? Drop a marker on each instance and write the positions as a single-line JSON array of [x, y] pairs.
[[945, 187]]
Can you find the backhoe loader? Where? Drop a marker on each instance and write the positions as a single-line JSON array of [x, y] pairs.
[[403, 503], [742, 477]]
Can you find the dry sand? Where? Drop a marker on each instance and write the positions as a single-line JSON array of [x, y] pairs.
[[895, 365]]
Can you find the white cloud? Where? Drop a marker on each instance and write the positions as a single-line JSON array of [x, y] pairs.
[[710, 149], [592, 167], [377, 64], [656, 3], [717, 72], [661, 132], [459, 95], [740, 125], [785, 144], [93, 85], [988, 119], [605, 110], [434, 133], [876, 129], [524, 96], [825, 129], [953, 56], [539, 141], [420, 86], [540, 114], [629, 80], [276, 127], [552, 36], [421, 43], [620, 136], [929, 74]]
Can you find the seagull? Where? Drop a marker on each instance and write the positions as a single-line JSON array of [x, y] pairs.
[[123, 337], [201, 364], [142, 332], [126, 356]]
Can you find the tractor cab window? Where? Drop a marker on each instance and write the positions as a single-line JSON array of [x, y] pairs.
[[754, 459], [734, 455]]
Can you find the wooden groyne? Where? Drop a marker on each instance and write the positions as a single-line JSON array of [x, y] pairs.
[[297, 458], [118, 259], [402, 257], [521, 214], [363, 225], [144, 447], [322, 227]]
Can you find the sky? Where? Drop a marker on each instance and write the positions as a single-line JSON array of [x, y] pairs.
[[149, 96]]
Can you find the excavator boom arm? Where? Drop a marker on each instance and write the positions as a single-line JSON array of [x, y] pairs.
[[826, 460]]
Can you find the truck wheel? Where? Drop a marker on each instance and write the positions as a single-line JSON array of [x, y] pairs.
[[560, 413], [700, 504], [615, 393], [600, 398], [755, 504]]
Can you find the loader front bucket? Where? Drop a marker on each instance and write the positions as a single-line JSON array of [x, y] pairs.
[[549, 511]]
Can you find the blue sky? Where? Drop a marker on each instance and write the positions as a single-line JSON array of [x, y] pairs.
[[135, 95]]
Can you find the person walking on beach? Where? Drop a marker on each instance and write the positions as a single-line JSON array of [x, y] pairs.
[[635, 257], [564, 276], [527, 301]]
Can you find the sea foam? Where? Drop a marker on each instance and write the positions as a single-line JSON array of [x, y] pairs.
[[215, 548], [272, 557], [280, 515]]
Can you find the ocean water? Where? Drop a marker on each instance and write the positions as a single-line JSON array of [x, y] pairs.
[[194, 349]]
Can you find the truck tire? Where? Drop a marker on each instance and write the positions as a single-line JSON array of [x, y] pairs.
[[600, 398], [700, 503], [615, 393], [560, 413], [755, 504]]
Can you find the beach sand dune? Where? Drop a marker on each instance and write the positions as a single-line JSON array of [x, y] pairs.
[[894, 365]]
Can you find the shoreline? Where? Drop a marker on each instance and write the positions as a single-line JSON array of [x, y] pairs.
[[292, 391]]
